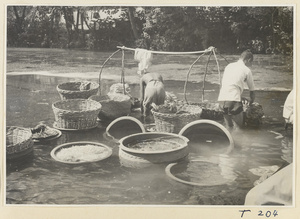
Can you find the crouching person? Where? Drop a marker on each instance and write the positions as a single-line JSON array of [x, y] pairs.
[[151, 91]]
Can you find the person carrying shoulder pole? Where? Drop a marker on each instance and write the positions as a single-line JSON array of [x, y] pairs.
[[235, 76]]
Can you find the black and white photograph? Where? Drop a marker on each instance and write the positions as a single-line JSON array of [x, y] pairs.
[[150, 105]]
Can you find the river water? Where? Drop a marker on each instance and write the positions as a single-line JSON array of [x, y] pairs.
[[38, 179]]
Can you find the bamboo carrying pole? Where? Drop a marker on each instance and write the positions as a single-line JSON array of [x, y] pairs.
[[123, 72], [218, 67], [187, 77], [102, 69], [203, 87], [167, 53], [210, 49]]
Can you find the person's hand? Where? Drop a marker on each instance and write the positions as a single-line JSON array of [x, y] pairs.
[[154, 106], [245, 101]]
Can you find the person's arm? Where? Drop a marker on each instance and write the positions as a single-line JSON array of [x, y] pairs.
[[142, 89], [251, 87], [142, 93]]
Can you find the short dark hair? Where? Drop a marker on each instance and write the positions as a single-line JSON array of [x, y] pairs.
[[247, 54]]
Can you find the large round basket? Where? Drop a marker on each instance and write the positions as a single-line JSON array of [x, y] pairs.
[[153, 148], [81, 152], [76, 114], [75, 90], [18, 142], [174, 122], [210, 111], [113, 106]]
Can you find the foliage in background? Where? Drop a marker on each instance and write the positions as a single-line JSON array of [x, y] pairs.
[[230, 29]]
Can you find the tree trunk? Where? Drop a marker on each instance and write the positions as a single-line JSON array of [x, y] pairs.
[[82, 28], [69, 20], [273, 30], [77, 19], [132, 22], [19, 20]]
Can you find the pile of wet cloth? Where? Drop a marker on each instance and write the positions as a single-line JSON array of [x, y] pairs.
[[120, 88], [264, 172], [253, 114]]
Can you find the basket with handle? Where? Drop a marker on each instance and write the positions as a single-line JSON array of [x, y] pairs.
[[18, 141], [77, 89], [174, 122], [76, 114], [210, 110], [113, 106]]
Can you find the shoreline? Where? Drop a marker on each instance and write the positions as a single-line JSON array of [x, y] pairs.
[[131, 79]]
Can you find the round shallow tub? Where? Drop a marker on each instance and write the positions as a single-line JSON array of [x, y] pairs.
[[153, 147]]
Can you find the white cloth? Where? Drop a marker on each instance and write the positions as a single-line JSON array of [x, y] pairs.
[[119, 88], [288, 108], [235, 76], [277, 189], [144, 57]]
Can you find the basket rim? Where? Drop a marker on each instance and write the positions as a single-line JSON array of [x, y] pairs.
[[77, 100], [109, 99], [126, 149], [77, 82], [172, 115]]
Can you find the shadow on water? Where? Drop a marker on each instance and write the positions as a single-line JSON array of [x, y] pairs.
[[38, 179]]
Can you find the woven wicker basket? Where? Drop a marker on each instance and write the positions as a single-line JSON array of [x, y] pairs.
[[71, 90], [173, 122], [210, 111], [113, 106], [76, 114], [18, 142]]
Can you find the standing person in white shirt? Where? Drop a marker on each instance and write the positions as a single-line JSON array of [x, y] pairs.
[[235, 76]]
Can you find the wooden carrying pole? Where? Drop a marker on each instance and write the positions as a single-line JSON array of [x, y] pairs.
[[167, 53], [203, 52], [99, 80]]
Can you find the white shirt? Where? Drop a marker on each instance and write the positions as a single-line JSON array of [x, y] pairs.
[[234, 78], [288, 107]]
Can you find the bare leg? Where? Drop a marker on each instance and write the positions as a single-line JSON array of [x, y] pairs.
[[228, 121], [239, 119]]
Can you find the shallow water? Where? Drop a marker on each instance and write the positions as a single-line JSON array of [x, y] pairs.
[[38, 179]]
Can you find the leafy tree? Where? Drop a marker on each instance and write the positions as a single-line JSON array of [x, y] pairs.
[[17, 23], [231, 29]]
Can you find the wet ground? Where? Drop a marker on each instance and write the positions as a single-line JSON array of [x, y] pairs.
[[38, 179]]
